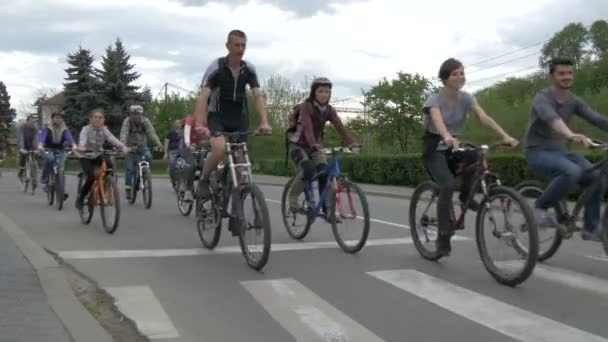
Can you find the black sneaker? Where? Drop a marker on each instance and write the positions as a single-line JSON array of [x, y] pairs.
[[443, 244], [128, 193], [79, 202], [204, 192]]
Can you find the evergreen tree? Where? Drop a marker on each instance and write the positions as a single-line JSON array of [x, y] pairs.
[[81, 89], [7, 116], [117, 90]]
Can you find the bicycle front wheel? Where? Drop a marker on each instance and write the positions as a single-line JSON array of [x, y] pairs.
[[134, 188], [254, 225], [50, 192], [147, 191], [86, 212], [110, 205], [508, 231], [348, 214], [297, 221]]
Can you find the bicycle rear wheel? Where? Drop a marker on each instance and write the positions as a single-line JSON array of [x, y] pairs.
[[550, 239], [292, 219], [34, 177], [208, 223], [344, 208], [59, 188], [134, 188], [50, 192], [87, 209], [424, 220], [258, 227], [511, 202], [147, 190], [110, 201]]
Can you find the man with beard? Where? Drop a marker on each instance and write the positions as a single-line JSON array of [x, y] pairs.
[[546, 142]]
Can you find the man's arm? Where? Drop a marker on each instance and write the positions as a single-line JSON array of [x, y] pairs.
[[591, 116], [20, 140], [260, 106], [547, 113], [151, 132], [202, 107], [124, 130]]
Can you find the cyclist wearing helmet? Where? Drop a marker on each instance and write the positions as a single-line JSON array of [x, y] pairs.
[[445, 115], [305, 133], [135, 131], [54, 137], [221, 105]]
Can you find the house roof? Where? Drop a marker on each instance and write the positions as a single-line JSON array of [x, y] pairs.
[[58, 99]]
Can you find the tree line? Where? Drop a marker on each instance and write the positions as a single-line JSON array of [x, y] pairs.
[[393, 120]]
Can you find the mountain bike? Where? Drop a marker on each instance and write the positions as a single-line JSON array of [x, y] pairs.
[[518, 218], [55, 192], [104, 194], [236, 169], [337, 194], [30, 176], [568, 218], [199, 153], [142, 180]]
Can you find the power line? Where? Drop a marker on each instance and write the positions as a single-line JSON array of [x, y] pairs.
[[502, 75], [509, 53], [505, 62]]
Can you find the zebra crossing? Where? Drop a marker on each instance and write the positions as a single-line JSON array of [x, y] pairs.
[[308, 315]]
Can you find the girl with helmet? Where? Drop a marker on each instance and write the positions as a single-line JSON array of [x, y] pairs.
[[305, 132]]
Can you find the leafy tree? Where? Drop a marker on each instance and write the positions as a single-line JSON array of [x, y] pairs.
[[164, 112], [80, 89], [7, 116], [117, 90], [569, 42], [395, 107], [281, 96], [598, 34]]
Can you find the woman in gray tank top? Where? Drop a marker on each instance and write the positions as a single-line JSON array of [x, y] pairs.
[[445, 115]]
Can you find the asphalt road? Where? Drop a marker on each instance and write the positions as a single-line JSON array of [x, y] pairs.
[[162, 278]]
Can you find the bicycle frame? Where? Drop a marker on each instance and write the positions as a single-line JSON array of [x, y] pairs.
[[143, 164], [98, 190], [331, 171]]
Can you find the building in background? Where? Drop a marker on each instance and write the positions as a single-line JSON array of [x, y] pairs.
[[50, 106]]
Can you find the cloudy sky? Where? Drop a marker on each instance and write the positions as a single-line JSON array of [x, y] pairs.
[[354, 42]]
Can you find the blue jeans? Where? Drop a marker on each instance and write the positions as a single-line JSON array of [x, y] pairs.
[[49, 160], [172, 156], [567, 170], [131, 159]]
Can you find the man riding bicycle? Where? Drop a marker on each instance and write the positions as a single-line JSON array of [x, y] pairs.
[[172, 144], [54, 138], [220, 106], [546, 140], [191, 139], [91, 143], [27, 139], [305, 133], [445, 115], [135, 131]]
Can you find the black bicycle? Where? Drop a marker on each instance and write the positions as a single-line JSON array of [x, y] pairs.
[[548, 245], [236, 169], [199, 153], [142, 181], [30, 176], [55, 193], [517, 215]]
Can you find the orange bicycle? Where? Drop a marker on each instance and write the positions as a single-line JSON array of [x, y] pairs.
[[104, 193]]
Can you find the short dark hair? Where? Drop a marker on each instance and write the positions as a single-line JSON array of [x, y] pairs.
[[236, 33], [447, 67], [97, 110], [559, 61]]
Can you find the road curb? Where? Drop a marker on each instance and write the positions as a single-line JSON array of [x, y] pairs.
[[78, 322]]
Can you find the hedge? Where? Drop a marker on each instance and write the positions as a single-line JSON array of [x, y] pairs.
[[407, 170]]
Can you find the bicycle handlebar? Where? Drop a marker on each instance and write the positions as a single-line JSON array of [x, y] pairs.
[[467, 146]]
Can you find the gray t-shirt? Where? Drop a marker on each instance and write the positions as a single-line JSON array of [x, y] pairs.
[[545, 109], [453, 118]]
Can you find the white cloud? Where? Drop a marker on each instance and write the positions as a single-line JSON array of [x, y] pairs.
[[356, 43]]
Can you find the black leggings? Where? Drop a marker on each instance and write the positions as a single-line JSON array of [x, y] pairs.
[[88, 167], [441, 167]]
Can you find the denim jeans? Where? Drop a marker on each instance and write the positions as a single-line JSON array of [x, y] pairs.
[[131, 159], [567, 170], [49, 160]]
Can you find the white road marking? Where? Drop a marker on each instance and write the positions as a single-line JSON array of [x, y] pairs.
[[141, 305], [570, 278], [306, 316], [277, 247], [597, 257], [361, 218], [509, 320]]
